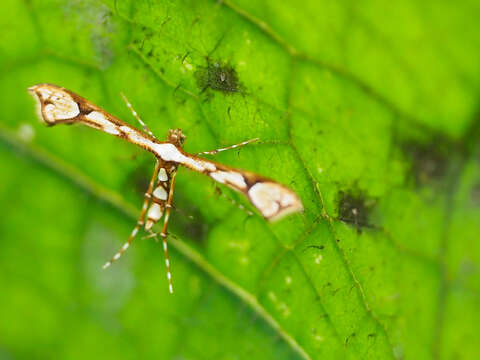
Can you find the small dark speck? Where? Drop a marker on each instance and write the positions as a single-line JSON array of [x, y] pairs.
[[354, 208], [349, 337], [319, 247]]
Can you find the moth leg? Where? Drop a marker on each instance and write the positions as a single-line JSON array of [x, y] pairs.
[[152, 221], [135, 114], [141, 218], [163, 234], [213, 152]]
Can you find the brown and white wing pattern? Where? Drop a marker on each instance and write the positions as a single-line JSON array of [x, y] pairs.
[[271, 199], [274, 200], [58, 105]]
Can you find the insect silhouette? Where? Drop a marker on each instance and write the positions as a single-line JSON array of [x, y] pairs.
[[58, 105]]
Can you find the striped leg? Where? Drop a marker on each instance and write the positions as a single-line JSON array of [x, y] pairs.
[[140, 220], [163, 234], [135, 114], [213, 152]]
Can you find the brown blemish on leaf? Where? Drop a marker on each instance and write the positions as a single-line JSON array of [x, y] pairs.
[[138, 179], [429, 162], [218, 76], [475, 194], [188, 221], [354, 208]]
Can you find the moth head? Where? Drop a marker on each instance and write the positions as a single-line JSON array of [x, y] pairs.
[[55, 104], [176, 137]]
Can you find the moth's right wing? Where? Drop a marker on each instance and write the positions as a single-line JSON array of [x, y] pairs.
[[272, 199]]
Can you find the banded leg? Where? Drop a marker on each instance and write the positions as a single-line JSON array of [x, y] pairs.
[[180, 211], [213, 152], [141, 218], [163, 234], [135, 114]]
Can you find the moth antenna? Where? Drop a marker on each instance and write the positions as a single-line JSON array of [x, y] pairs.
[[135, 114], [243, 143], [141, 218]]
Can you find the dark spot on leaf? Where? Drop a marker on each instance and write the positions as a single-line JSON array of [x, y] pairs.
[[139, 178], [475, 195], [193, 228], [428, 161], [354, 208], [349, 337], [321, 247], [189, 223], [372, 338], [217, 76], [185, 57]]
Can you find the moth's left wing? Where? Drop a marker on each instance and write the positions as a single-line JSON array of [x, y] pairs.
[[57, 105]]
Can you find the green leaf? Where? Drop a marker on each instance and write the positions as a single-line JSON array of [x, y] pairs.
[[369, 111]]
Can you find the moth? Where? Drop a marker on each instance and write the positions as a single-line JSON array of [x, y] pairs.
[[57, 105]]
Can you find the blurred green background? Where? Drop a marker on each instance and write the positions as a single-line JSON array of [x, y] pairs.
[[368, 110]]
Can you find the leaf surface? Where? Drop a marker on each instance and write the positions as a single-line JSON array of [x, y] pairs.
[[369, 111]]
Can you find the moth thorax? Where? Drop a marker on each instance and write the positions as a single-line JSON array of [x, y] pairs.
[[176, 137]]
